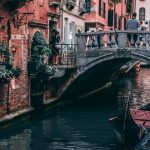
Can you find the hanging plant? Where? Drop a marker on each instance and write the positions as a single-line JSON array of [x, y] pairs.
[[7, 53], [6, 75], [45, 70], [8, 72]]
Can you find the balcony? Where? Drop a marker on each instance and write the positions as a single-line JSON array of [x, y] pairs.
[[55, 3], [70, 4]]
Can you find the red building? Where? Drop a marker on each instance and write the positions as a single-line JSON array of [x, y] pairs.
[[106, 14], [19, 21]]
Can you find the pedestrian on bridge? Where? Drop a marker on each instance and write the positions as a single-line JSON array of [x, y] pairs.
[[91, 41], [132, 25], [141, 28], [99, 38]]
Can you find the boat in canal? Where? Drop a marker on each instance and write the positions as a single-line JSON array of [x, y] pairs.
[[131, 125]]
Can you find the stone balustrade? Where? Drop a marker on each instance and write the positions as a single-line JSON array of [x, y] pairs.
[[113, 39]]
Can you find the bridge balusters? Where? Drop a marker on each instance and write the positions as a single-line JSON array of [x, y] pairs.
[[122, 39], [108, 40], [113, 39], [132, 43], [148, 41], [101, 40], [81, 42], [138, 42], [144, 40]]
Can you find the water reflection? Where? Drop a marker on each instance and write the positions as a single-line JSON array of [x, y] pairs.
[[139, 86], [83, 125]]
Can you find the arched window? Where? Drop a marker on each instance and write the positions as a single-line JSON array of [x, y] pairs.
[[142, 13]]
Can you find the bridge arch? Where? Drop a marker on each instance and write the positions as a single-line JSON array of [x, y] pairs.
[[140, 57], [93, 75]]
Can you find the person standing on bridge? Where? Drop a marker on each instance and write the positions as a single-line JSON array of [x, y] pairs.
[[132, 25], [99, 38]]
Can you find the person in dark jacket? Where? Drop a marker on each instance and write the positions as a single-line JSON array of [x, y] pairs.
[[53, 42], [99, 38]]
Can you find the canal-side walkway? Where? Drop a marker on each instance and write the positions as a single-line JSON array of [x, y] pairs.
[[9, 119]]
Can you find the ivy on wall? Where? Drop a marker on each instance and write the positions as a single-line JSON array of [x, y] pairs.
[[6, 70]]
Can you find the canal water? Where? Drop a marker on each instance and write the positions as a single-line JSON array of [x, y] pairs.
[[82, 125]]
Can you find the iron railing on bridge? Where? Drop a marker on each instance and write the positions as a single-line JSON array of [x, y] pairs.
[[110, 40], [66, 54]]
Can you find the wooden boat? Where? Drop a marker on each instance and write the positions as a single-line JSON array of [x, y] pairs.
[[131, 125]]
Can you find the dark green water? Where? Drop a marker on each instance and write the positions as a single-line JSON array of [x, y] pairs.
[[82, 125]]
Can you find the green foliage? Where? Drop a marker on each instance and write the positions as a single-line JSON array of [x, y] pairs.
[[46, 69], [16, 72], [129, 8], [7, 74], [8, 55], [39, 49]]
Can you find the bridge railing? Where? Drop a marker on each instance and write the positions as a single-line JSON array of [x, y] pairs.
[[66, 54], [113, 39]]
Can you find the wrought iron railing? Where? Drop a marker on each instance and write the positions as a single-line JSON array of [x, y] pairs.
[[66, 54]]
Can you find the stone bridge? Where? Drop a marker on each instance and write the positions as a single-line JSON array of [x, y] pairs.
[[85, 67], [113, 45]]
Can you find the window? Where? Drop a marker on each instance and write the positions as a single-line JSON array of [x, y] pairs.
[[104, 9], [100, 7], [110, 17], [142, 13]]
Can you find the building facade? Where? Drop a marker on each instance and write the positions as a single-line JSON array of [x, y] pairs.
[[143, 12], [105, 14], [72, 19], [19, 22]]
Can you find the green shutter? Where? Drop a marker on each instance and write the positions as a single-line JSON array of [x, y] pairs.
[[88, 6]]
